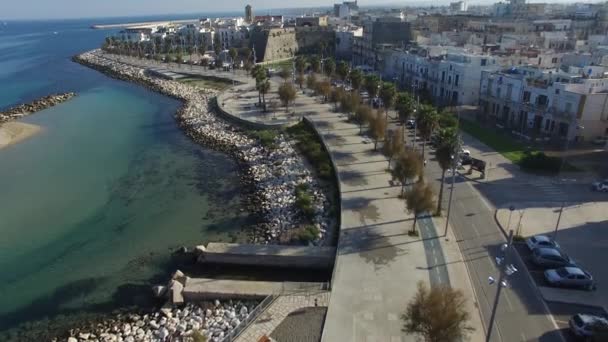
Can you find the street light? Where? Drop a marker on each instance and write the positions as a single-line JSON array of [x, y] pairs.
[[447, 219], [506, 270]]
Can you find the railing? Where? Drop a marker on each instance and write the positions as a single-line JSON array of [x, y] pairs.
[[266, 302]]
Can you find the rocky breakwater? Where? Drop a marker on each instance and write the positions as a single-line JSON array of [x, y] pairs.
[[35, 106], [214, 320], [273, 172]]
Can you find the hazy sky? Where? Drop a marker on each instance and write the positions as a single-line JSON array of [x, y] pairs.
[[41, 9], [25, 9]]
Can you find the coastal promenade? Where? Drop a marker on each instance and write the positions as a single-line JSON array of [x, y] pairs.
[[377, 265]]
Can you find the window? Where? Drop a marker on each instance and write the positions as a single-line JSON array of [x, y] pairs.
[[568, 107], [443, 76], [450, 67], [547, 123], [484, 62], [554, 60], [456, 80], [498, 92], [557, 91], [526, 96], [449, 79]]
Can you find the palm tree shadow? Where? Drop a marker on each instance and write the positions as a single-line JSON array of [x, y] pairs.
[[353, 178]]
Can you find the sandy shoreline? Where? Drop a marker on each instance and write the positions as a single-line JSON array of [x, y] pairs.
[[14, 132]]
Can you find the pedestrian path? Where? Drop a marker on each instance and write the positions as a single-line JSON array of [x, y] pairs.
[[268, 320]]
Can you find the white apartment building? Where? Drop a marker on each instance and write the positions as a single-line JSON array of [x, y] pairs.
[[136, 35], [230, 36], [570, 104], [450, 78], [345, 36]]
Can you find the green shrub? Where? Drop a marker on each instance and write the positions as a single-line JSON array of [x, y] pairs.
[[266, 137], [539, 161], [304, 201], [307, 234]]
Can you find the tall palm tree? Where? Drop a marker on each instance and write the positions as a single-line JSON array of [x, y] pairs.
[[329, 67], [342, 70], [387, 94], [444, 154], [371, 84], [315, 63], [264, 88], [356, 79], [426, 123]]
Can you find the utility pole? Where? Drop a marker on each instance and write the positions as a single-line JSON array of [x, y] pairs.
[[559, 217], [447, 219], [505, 269]]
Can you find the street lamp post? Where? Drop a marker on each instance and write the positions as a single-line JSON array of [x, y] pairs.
[[506, 270], [447, 219], [559, 217]]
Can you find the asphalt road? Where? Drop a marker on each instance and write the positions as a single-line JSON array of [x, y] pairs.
[[438, 272], [522, 314]]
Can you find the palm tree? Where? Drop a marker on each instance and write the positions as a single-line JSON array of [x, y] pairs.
[[419, 200], [426, 122], [315, 63], [233, 53], [300, 64], [387, 94], [356, 79], [444, 154], [264, 87], [371, 84], [405, 105], [342, 70], [329, 67]]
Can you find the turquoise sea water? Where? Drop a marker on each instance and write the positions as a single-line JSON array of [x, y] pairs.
[[97, 201]]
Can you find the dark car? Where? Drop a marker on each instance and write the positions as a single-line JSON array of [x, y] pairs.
[[551, 258]]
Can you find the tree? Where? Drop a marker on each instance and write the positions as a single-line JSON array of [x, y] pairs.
[[419, 200], [372, 83], [405, 105], [311, 82], [342, 70], [393, 145], [264, 88], [315, 63], [356, 79], [287, 94], [349, 103], [300, 80], [377, 128], [329, 67], [336, 97], [363, 115], [204, 63], [438, 314], [447, 119], [285, 73], [407, 166], [233, 53], [387, 94], [426, 123], [300, 64], [444, 153], [324, 89]]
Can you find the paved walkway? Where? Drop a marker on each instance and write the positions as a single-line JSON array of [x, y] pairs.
[[268, 320], [378, 265]]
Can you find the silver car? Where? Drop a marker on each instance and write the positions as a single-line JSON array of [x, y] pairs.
[[569, 277], [585, 325], [551, 257], [538, 241]]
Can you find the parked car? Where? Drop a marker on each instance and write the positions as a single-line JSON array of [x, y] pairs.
[[551, 257], [601, 186], [569, 277], [410, 124], [540, 241], [584, 325]]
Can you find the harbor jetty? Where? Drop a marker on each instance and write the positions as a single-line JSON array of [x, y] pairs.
[[45, 102]]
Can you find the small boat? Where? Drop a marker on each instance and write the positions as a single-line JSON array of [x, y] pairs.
[[55, 32]]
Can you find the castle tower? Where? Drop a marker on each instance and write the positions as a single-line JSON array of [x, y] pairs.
[[248, 14]]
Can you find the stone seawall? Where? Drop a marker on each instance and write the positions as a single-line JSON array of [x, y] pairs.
[[45, 102], [272, 173]]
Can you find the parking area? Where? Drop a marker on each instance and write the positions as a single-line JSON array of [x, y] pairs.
[[562, 313]]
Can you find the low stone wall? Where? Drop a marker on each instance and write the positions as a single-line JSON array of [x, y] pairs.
[[242, 122], [302, 257]]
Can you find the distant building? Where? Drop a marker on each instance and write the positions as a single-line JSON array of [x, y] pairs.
[[311, 21], [136, 34], [458, 6], [248, 14], [345, 37], [345, 9]]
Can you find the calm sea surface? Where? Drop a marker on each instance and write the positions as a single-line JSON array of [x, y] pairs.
[[94, 204]]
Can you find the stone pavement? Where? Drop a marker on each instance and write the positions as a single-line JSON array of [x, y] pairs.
[[268, 320], [582, 234]]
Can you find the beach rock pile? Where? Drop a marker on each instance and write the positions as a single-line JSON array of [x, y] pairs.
[[35, 106], [273, 173], [215, 320]]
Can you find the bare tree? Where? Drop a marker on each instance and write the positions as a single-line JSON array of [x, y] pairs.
[[378, 128], [438, 314], [363, 115], [287, 94], [419, 200], [324, 89], [393, 145], [407, 166]]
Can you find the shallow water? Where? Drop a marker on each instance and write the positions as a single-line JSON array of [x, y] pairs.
[[96, 202]]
